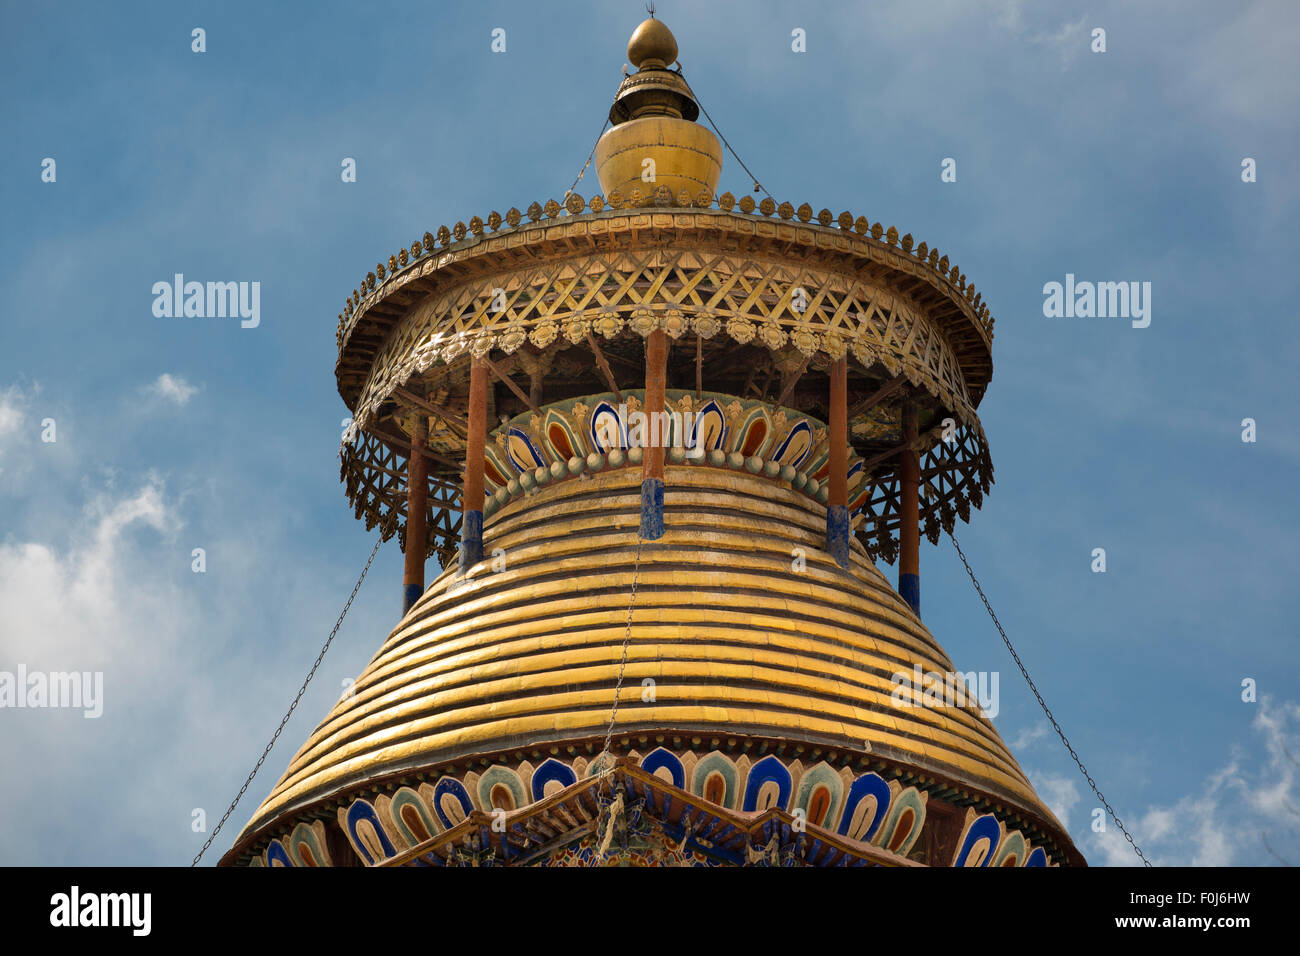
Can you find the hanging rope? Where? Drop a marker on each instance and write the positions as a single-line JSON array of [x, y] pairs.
[[1043, 704], [301, 690], [757, 186]]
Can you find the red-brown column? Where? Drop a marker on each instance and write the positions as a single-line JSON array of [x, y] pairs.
[[652, 467], [837, 501], [909, 532], [417, 503], [471, 504]]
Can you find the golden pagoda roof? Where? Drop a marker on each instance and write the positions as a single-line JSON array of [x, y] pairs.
[[753, 678]]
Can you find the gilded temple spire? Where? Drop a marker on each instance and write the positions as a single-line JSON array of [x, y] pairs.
[[654, 139]]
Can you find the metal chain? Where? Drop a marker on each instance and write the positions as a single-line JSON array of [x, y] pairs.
[[1042, 703], [682, 73], [582, 172], [301, 690], [618, 690], [700, 103], [627, 638]]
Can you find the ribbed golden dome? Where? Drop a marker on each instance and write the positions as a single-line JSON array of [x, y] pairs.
[[736, 640]]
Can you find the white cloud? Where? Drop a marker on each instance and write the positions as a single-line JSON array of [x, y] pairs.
[[1028, 736], [190, 688], [11, 411], [99, 603], [65, 607], [173, 388], [1060, 793], [17, 437], [1237, 812], [1067, 41]]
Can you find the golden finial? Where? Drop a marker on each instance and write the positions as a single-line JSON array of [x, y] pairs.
[[652, 46], [652, 121]]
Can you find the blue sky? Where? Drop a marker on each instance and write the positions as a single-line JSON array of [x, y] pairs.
[[177, 434]]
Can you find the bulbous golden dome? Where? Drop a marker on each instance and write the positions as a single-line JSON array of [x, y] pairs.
[[652, 45]]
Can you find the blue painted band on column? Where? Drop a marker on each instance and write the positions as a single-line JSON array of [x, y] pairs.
[[909, 586], [837, 534], [652, 509], [471, 540], [410, 594]]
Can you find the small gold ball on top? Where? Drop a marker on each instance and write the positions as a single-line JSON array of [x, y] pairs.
[[652, 46]]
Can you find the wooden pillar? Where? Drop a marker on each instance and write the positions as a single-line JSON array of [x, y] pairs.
[[471, 501], [652, 464], [909, 532], [837, 501], [417, 506]]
